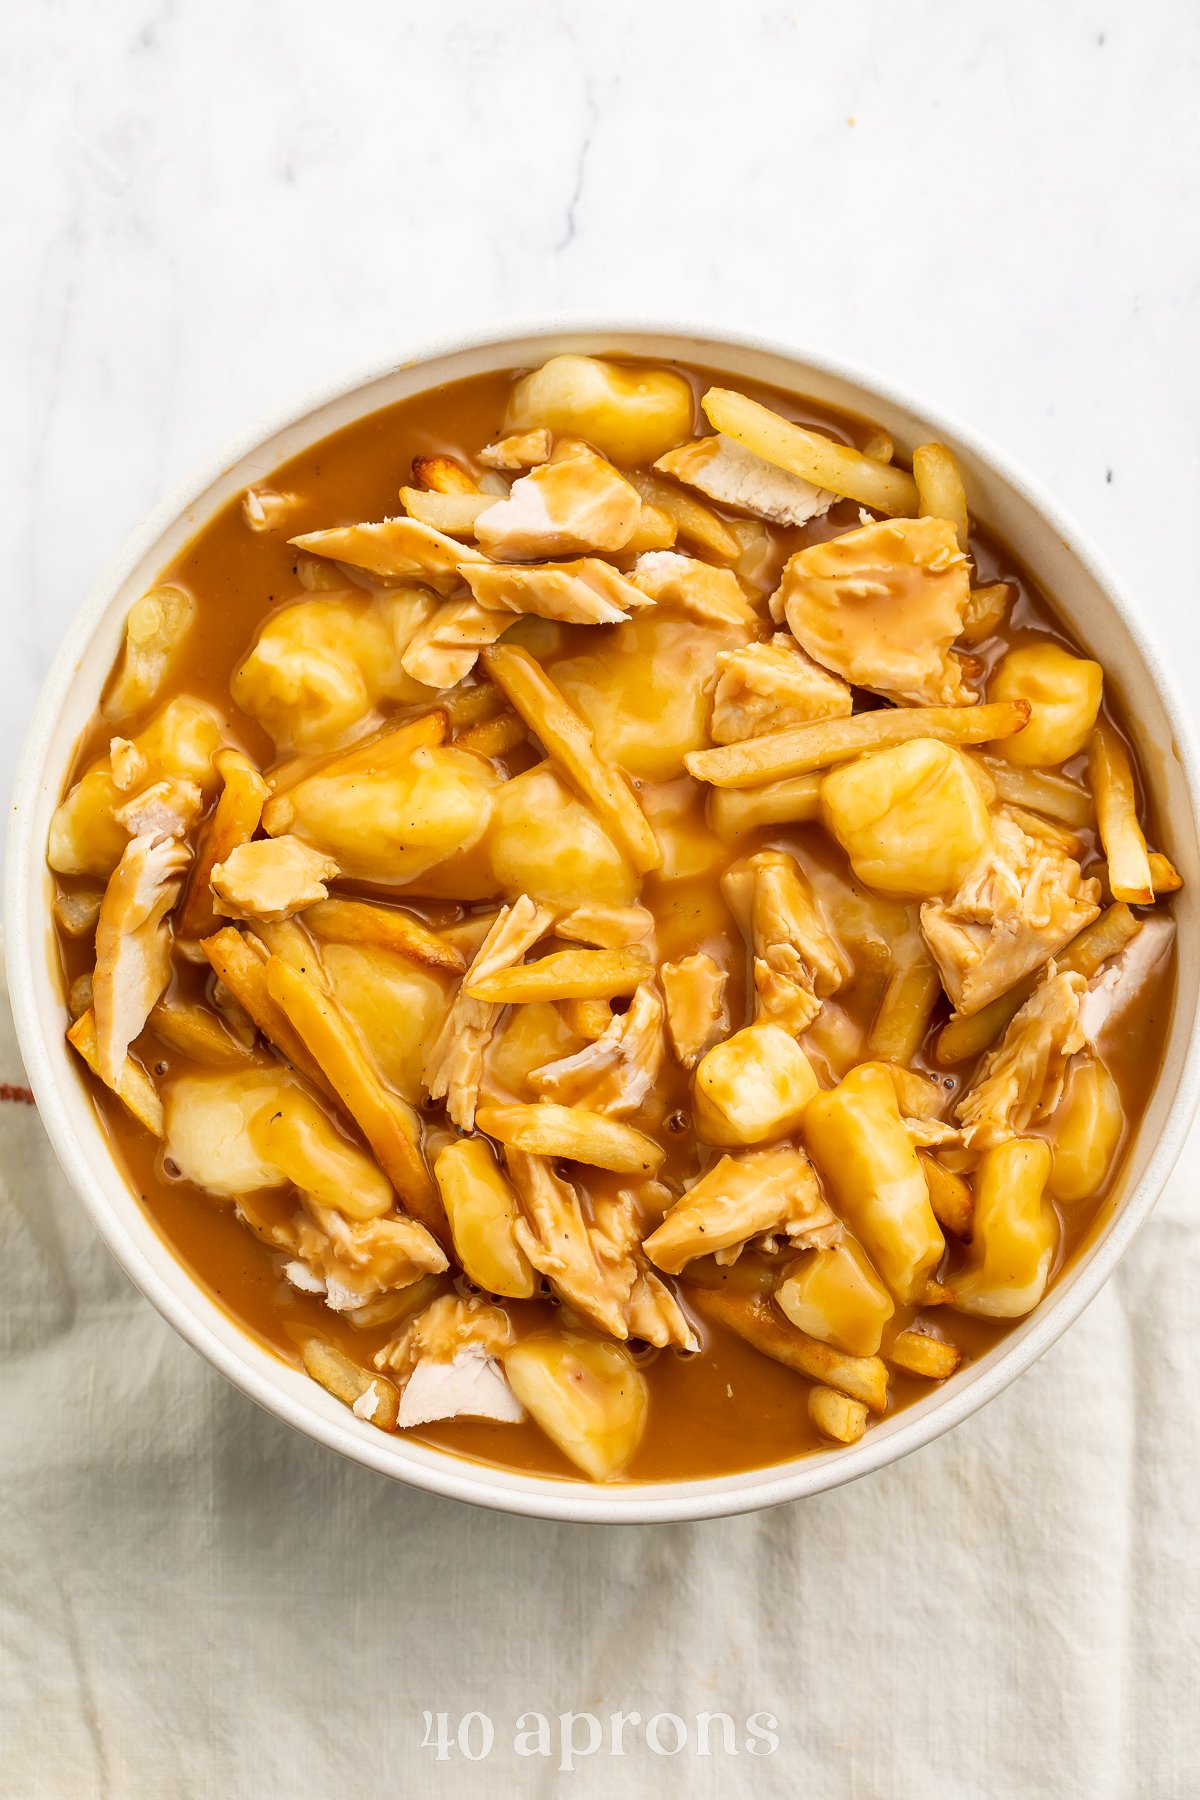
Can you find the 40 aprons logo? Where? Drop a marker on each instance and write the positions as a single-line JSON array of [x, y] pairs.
[[569, 1738]]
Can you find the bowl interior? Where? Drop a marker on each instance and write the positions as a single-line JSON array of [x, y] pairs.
[[1083, 592]]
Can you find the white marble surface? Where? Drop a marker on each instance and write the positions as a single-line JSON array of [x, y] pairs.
[[208, 208]]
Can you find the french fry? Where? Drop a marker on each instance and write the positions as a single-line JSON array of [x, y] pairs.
[[921, 1354], [823, 742], [961, 1038], [1038, 790], [918, 1096], [986, 610], [198, 1033], [940, 489], [494, 737], [967, 1037], [586, 1018], [371, 1397], [1164, 875], [696, 524], [389, 1309], [243, 971], [565, 975], [135, 1090], [609, 927], [734, 811], [546, 1129], [1129, 874], [1105, 937], [470, 703], [77, 913], [81, 994], [398, 549], [811, 455], [568, 742], [910, 994], [455, 514], [836, 1416], [384, 928], [288, 940], [949, 1195], [466, 935], [234, 822], [395, 741], [755, 1318], [442, 475], [878, 445], [387, 1122], [1036, 826]]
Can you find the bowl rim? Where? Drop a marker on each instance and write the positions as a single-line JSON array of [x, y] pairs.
[[442, 1472]]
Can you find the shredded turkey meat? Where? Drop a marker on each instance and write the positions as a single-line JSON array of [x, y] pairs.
[[1022, 1079], [394, 550], [652, 1309], [572, 504], [798, 963], [881, 606], [1122, 980], [454, 1062], [167, 808], [445, 648], [519, 450], [129, 764], [695, 587], [1027, 901], [558, 1240], [694, 991], [586, 592], [594, 1261], [133, 945], [758, 1193], [447, 1363], [270, 879], [353, 1261], [612, 927], [771, 687], [617, 1072], [729, 473]]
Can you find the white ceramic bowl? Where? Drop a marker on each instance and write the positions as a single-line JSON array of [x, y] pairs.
[[1086, 593]]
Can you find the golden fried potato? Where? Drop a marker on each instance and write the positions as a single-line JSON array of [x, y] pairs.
[[631, 414], [1064, 693]]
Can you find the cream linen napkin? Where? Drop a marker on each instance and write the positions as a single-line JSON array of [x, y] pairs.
[[195, 1601]]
